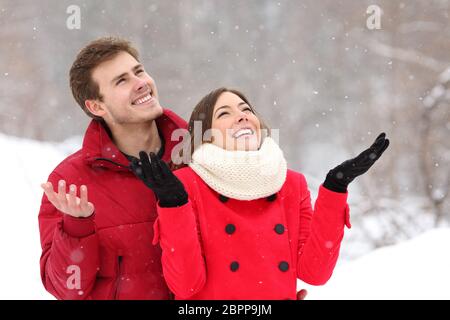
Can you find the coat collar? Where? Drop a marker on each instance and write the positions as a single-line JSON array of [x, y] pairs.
[[100, 151]]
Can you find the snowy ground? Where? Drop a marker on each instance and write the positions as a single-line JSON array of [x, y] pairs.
[[24, 165], [415, 269]]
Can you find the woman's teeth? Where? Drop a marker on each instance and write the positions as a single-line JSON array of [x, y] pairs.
[[242, 132]]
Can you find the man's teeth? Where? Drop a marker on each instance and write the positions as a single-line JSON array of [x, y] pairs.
[[143, 100], [242, 132]]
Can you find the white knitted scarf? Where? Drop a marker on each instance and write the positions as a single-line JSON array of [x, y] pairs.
[[242, 175]]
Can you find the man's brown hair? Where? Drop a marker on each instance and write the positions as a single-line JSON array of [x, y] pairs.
[[98, 51]]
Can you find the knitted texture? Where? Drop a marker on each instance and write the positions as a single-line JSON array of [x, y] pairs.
[[242, 175]]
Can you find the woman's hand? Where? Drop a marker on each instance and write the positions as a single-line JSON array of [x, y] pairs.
[[157, 176], [339, 178]]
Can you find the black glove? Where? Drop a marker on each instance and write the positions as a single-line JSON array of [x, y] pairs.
[[157, 176], [339, 178]]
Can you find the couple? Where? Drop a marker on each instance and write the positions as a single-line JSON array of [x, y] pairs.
[[233, 223]]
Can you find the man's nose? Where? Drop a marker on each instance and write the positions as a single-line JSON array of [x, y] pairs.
[[140, 85]]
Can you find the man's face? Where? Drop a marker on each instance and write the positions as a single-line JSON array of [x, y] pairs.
[[129, 93]]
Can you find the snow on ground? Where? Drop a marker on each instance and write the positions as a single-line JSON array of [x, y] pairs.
[[415, 269], [25, 164]]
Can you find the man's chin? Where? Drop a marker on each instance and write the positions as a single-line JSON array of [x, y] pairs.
[[154, 112], [157, 110], [154, 108]]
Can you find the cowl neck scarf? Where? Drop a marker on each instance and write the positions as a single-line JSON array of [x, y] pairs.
[[242, 175]]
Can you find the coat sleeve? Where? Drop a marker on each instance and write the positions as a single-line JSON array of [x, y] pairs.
[[320, 233], [70, 251], [182, 258]]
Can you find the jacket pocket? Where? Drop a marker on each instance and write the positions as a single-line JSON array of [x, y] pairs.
[[119, 278]]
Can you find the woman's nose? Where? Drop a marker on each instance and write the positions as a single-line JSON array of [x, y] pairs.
[[242, 116]]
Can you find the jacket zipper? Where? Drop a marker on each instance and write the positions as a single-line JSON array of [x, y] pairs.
[[113, 162], [119, 276]]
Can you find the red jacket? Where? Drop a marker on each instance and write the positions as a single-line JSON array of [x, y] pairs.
[[108, 255], [219, 248]]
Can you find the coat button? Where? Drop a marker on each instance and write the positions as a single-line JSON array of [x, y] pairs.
[[234, 266], [222, 198], [272, 197], [279, 228], [230, 228], [283, 266]]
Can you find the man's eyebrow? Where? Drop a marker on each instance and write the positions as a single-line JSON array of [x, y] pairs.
[[225, 106], [138, 66]]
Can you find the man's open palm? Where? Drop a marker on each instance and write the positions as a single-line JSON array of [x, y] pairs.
[[69, 203]]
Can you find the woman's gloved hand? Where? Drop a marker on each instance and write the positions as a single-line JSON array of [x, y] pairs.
[[157, 176], [339, 178]]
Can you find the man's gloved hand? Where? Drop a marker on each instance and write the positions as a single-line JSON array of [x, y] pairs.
[[339, 178], [157, 176]]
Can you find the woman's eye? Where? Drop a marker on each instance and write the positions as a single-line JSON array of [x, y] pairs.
[[223, 113], [139, 71]]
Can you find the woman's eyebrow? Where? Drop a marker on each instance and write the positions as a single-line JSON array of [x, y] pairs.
[[226, 106], [222, 107]]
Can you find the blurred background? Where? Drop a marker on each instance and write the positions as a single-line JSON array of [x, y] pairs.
[[331, 75]]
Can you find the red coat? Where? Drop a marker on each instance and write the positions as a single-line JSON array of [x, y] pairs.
[[219, 248], [108, 255]]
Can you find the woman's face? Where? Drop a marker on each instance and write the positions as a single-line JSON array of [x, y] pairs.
[[234, 125]]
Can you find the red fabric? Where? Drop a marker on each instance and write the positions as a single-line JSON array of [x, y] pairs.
[[198, 252], [108, 255]]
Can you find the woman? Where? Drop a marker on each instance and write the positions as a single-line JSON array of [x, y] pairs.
[[236, 223]]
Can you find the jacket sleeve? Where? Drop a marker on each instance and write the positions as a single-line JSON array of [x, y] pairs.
[[70, 251], [182, 258], [320, 233]]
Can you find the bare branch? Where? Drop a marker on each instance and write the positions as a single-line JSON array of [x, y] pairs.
[[406, 55]]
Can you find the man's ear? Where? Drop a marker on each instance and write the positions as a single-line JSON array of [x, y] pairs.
[[95, 107]]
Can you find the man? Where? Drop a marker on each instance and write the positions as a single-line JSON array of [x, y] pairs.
[[99, 246]]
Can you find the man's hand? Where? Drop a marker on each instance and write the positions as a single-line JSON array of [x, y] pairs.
[[69, 203]]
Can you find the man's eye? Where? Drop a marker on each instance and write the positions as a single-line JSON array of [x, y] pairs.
[[139, 71], [120, 81]]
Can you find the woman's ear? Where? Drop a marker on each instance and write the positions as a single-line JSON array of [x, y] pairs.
[[95, 107]]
